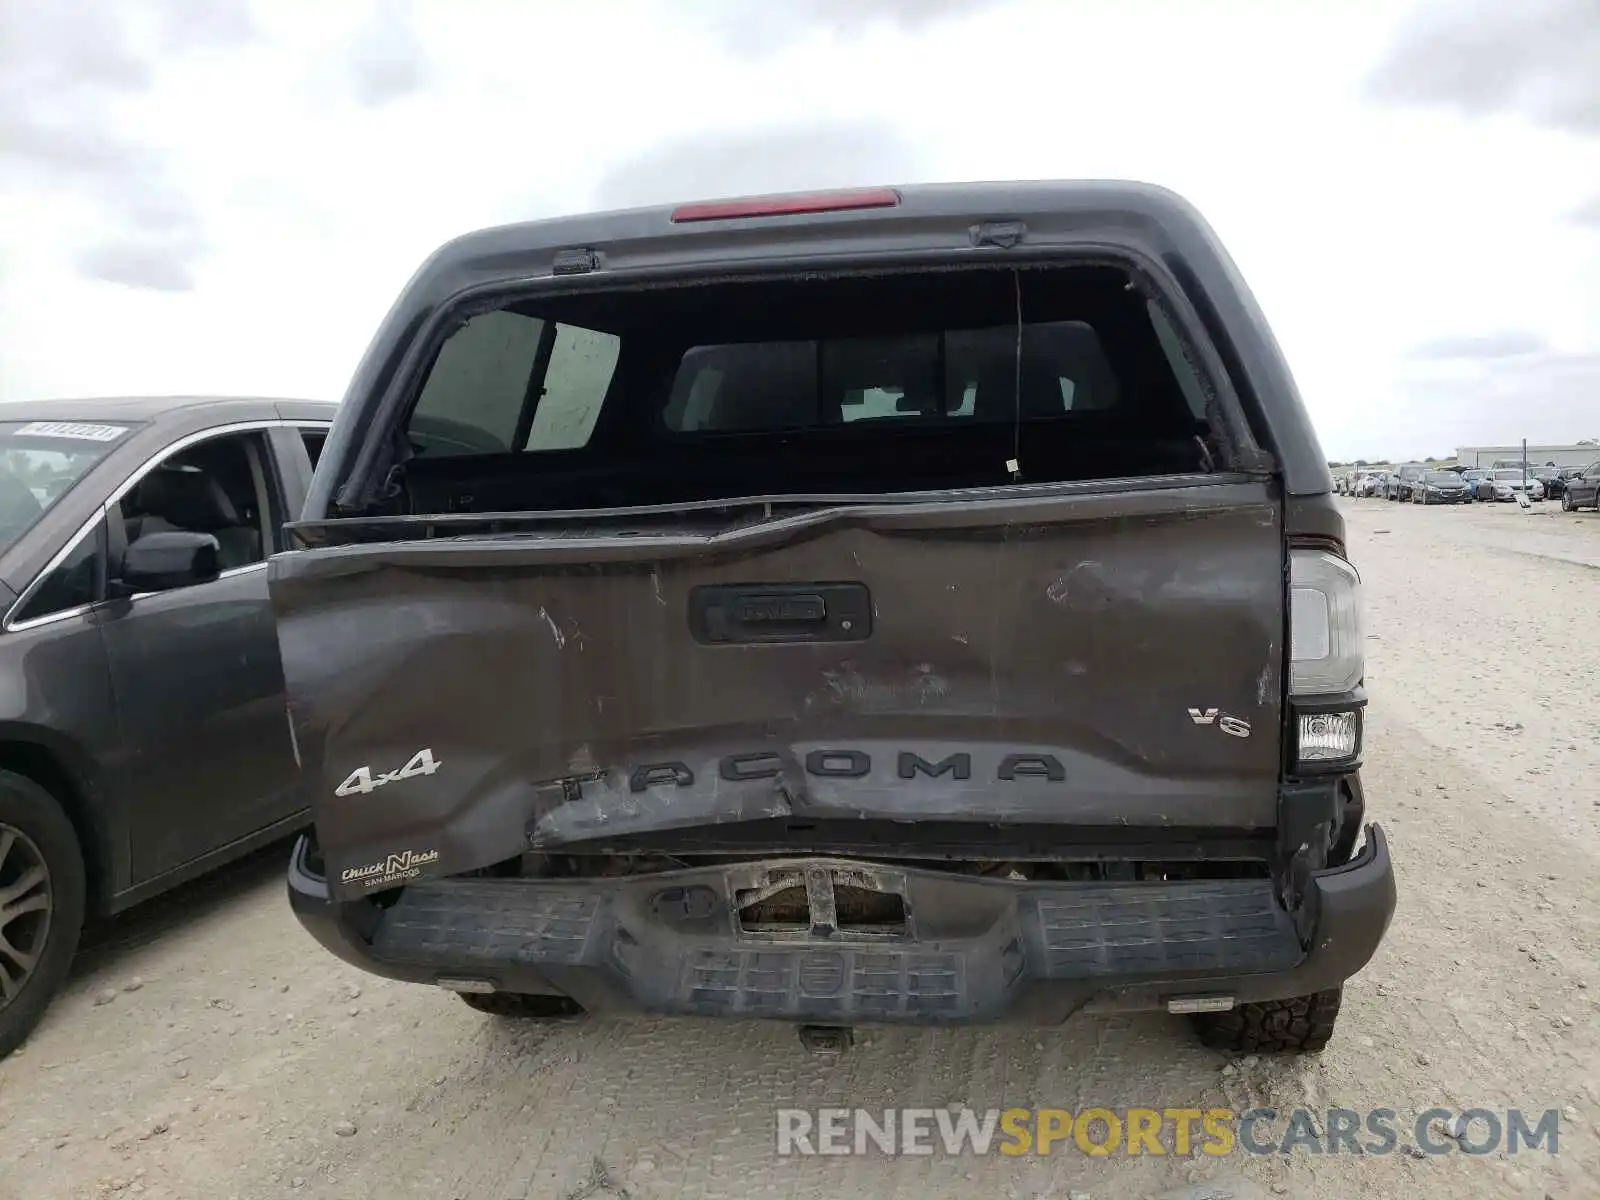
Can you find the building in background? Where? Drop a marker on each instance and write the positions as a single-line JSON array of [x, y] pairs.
[[1538, 456]]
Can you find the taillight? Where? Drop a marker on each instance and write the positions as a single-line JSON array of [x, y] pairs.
[[789, 205], [1327, 654], [1326, 651]]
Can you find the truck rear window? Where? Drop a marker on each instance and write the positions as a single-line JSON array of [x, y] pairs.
[[963, 375], [1069, 371]]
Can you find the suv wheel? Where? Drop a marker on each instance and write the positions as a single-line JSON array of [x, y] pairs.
[[522, 1005], [42, 891], [1566, 501], [1301, 1025]]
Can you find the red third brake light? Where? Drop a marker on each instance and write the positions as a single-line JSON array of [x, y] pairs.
[[783, 206]]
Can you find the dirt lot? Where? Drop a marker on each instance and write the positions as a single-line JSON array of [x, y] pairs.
[[207, 1048]]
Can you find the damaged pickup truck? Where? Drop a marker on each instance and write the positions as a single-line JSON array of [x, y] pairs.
[[899, 605]]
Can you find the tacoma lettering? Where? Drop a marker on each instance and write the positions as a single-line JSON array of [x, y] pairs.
[[958, 765], [844, 764]]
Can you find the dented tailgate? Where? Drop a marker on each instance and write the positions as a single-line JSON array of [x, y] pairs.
[[1106, 658]]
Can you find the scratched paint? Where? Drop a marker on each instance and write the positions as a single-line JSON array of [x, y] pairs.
[[555, 630]]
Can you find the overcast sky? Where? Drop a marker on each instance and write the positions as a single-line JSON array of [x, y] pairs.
[[224, 196]]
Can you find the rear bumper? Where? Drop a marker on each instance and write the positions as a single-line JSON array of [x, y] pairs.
[[978, 949]]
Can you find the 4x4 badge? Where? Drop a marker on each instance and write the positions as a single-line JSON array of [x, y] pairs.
[[361, 780], [1233, 726]]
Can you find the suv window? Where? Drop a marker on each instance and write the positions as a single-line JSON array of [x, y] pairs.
[[506, 381], [74, 583], [218, 486]]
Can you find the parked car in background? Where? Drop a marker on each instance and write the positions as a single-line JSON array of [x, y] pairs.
[[1471, 478], [143, 733], [1365, 483], [1440, 487], [1582, 490], [1507, 482], [1551, 478], [1406, 480]]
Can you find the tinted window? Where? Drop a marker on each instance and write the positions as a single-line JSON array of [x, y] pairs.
[[503, 373], [1194, 391], [957, 375], [313, 440], [75, 582], [217, 486], [480, 378], [853, 372]]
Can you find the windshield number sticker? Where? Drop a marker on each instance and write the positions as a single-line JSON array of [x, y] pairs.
[[72, 429], [361, 781]]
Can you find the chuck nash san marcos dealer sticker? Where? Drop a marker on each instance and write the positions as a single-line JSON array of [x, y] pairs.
[[394, 869]]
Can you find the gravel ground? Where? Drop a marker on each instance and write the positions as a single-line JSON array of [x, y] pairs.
[[207, 1048]]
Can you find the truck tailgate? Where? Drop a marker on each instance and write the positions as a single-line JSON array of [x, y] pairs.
[[1105, 658]]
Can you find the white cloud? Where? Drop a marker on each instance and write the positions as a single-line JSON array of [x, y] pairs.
[[320, 152], [1536, 57], [388, 61], [1505, 343]]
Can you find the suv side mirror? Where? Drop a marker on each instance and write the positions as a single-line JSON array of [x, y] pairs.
[[159, 562]]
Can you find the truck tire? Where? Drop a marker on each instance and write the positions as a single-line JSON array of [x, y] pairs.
[[42, 896], [1301, 1025], [521, 1005]]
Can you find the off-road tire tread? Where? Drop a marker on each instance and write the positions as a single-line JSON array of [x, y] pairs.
[[1301, 1025], [521, 1005]]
